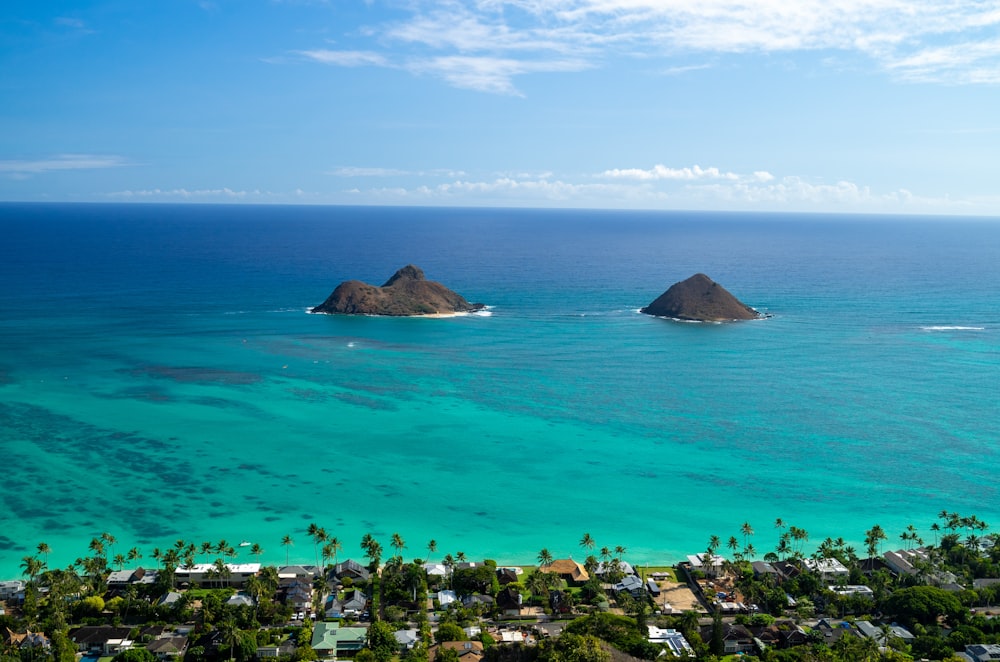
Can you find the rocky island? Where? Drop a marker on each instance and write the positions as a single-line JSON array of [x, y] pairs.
[[701, 299], [407, 294]]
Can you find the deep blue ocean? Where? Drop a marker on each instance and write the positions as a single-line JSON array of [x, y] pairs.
[[160, 378]]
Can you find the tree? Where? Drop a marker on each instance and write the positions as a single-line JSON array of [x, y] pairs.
[[449, 632], [924, 604], [544, 557], [398, 544], [432, 548], [134, 655], [587, 542], [381, 641], [571, 647], [286, 542]]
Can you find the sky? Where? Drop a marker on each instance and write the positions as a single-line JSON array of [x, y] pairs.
[[867, 106]]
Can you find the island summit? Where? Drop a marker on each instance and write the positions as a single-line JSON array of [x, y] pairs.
[[407, 294], [700, 299]]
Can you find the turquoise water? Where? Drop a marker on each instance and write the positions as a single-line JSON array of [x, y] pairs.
[[160, 378]]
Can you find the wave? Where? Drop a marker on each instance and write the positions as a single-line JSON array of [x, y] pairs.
[[953, 328]]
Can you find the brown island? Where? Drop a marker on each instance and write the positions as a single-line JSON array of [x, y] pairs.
[[406, 294], [700, 299]]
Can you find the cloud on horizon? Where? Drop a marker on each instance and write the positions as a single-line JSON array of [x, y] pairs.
[[61, 162]]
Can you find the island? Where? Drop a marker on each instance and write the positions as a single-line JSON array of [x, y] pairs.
[[700, 299], [407, 294]]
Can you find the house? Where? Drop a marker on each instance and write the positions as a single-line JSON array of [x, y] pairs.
[[468, 651], [478, 599], [436, 569], [351, 605], [122, 578], [737, 638], [829, 569], [852, 589], [560, 602], [631, 585], [674, 642], [445, 598], [701, 563], [169, 599], [612, 568], [296, 592], [567, 569], [12, 591], [983, 652], [100, 639], [168, 647], [306, 572], [329, 640], [652, 587], [351, 569], [766, 571], [206, 574], [407, 639], [506, 576], [285, 649], [834, 631], [509, 602], [240, 600], [28, 639]]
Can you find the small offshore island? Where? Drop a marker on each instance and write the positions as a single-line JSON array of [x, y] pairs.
[[407, 294], [194, 602], [700, 299]]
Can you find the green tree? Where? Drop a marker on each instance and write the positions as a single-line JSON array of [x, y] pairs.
[[924, 604], [382, 642], [573, 648], [286, 542], [449, 632], [134, 655]]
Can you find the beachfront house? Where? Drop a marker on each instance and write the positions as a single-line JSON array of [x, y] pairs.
[[206, 574], [829, 569], [352, 570], [567, 569]]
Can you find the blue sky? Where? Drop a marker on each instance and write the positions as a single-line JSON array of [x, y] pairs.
[[888, 106]]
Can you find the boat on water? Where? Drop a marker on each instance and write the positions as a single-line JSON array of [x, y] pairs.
[[245, 543]]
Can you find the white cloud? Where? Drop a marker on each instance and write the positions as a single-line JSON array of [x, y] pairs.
[[345, 58], [185, 194], [485, 45], [62, 162], [663, 172]]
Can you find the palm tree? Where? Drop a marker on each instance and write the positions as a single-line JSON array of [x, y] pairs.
[[110, 539], [133, 555], [222, 570], [619, 552], [207, 548], [119, 561], [157, 554], [230, 634], [747, 531], [432, 548], [333, 547], [398, 544], [32, 567], [43, 548], [544, 557], [587, 542], [286, 542], [460, 557]]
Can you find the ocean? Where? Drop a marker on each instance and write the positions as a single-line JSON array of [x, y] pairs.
[[162, 379]]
